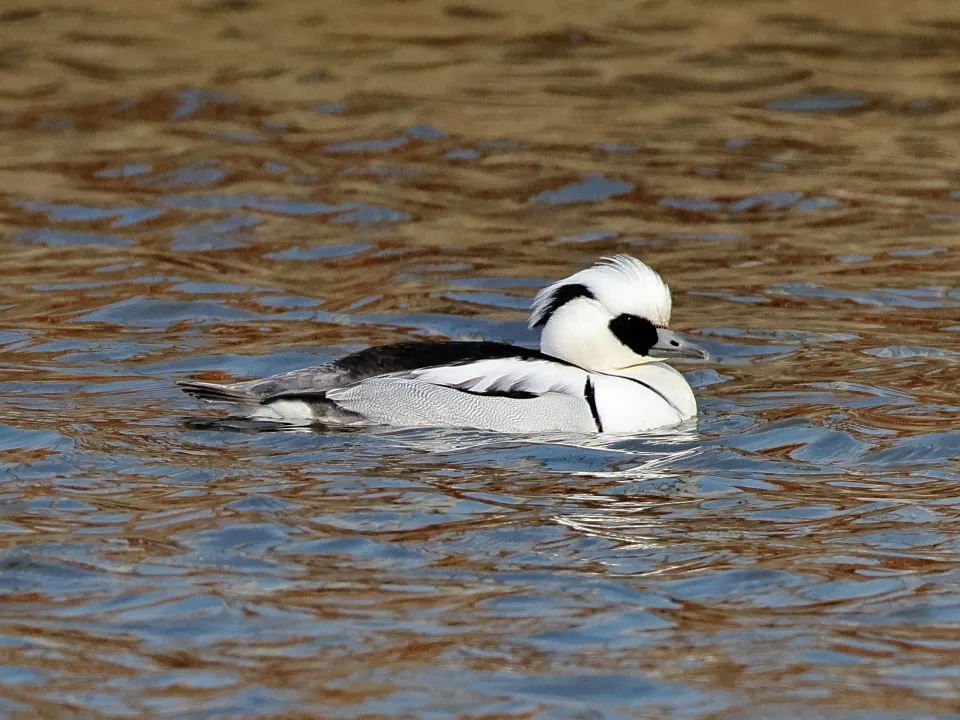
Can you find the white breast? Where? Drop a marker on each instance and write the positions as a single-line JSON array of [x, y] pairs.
[[654, 395]]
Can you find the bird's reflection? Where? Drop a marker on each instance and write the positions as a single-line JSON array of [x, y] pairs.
[[620, 480]]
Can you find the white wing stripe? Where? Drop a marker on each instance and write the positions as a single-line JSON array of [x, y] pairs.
[[507, 375]]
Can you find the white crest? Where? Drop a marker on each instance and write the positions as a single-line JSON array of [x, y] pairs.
[[622, 284]]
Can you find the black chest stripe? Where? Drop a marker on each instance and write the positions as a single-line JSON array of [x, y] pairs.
[[591, 399], [652, 389]]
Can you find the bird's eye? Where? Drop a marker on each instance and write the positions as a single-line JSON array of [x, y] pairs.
[[637, 333]]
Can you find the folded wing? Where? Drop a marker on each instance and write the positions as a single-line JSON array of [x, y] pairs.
[[507, 376]]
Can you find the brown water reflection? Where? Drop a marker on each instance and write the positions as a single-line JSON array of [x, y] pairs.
[[226, 189]]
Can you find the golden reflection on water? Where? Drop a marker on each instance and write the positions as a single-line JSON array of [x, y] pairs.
[[229, 188]]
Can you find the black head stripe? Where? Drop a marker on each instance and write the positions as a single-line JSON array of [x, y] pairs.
[[560, 297], [637, 333]]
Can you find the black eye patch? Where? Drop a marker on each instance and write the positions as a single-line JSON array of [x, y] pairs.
[[637, 333]]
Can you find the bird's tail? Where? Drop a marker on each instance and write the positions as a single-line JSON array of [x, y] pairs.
[[213, 392]]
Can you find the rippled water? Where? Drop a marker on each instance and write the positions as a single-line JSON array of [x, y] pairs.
[[228, 189]]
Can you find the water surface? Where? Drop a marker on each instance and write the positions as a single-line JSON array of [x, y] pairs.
[[228, 189]]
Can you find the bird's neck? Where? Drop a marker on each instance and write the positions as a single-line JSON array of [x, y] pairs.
[[575, 334]]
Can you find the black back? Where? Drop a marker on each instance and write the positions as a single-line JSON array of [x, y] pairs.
[[401, 357]]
